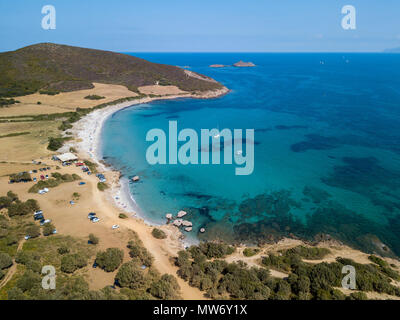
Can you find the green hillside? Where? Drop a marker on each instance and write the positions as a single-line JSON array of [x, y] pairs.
[[53, 68]]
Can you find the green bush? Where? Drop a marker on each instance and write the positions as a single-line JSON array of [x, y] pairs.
[[48, 229], [55, 143], [5, 261], [110, 259], [309, 253], [72, 262], [158, 234], [102, 186], [123, 216], [33, 231], [249, 252], [93, 239], [130, 275], [94, 97], [63, 250], [29, 281], [166, 288], [140, 252]]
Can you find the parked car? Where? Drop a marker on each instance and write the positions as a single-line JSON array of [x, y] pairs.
[[82, 183], [42, 222], [41, 177], [95, 219], [38, 217], [27, 237], [91, 215], [115, 226], [38, 212]]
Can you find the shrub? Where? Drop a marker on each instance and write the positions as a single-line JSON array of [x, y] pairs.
[[72, 262], [110, 259], [215, 250], [249, 252], [93, 239], [158, 234], [48, 229], [357, 296], [55, 143], [63, 250], [5, 261], [94, 97], [310, 253], [23, 208], [11, 239], [123, 216], [33, 231], [130, 275], [29, 280], [166, 288], [102, 186], [137, 251]]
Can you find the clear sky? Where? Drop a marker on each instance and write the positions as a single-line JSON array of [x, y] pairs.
[[203, 25]]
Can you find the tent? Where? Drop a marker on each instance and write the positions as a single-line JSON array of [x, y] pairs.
[[66, 157]]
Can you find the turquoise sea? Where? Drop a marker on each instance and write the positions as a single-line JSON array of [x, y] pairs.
[[327, 149]]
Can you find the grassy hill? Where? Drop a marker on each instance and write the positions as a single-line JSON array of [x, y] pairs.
[[53, 68]]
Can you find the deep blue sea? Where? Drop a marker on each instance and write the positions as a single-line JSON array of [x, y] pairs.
[[327, 149]]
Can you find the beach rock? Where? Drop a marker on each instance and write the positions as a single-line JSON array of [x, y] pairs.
[[181, 214], [244, 64], [177, 222], [169, 216], [187, 223], [188, 229], [202, 230], [135, 178], [217, 66]]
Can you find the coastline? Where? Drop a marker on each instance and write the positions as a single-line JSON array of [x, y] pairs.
[[87, 143]]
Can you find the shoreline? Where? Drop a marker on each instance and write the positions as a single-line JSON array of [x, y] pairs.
[[87, 142]]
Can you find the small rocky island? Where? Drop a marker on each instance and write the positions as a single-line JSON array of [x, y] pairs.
[[244, 64], [217, 66], [237, 64]]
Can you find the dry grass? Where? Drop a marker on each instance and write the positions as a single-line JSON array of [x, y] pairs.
[[26, 147], [66, 101]]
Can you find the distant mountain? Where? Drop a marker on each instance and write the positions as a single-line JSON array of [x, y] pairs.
[[392, 50], [54, 67]]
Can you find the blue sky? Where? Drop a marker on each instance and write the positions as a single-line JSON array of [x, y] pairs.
[[203, 25]]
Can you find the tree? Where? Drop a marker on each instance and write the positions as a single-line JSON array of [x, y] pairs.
[[5, 202], [93, 239], [72, 262], [110, 259], [130, 275], [137, 251], [33, 231], [48, 229], [166, 288], [5, 260], [29, 280]]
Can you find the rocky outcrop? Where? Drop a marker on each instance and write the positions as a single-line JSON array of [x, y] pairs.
[[244, 64]]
